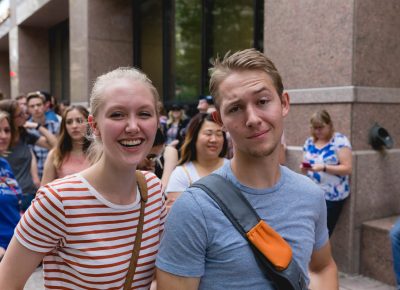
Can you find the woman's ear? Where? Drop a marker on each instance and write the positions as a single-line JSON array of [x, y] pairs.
[[93, 126]]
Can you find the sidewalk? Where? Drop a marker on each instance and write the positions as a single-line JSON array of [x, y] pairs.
[[358, 282], [347, 282]]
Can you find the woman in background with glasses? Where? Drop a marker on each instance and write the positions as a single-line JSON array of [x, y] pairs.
[[69, 155], [327, 161], [202, 152]]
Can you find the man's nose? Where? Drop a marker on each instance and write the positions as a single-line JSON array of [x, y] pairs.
[[252, 117]]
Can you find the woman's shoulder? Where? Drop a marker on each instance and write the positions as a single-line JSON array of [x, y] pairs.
[[340, 140]]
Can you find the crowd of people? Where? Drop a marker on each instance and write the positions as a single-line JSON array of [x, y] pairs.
[[71, 197]]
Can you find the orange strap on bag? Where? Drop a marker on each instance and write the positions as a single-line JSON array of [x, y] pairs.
[[273, 253], [271, 244]]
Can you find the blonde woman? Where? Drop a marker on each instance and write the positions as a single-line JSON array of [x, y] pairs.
[[84, 226], [327, 161]]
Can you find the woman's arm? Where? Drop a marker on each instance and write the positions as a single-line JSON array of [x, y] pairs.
[[49, 170], [170, 161], [34, 171], [343, 168], [17, 265]]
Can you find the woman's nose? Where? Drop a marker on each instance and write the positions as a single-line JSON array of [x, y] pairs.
[[132, 125]]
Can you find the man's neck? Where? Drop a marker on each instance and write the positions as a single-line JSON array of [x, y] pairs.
[[256, 172]]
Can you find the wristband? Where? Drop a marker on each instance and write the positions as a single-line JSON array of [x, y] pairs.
[[38, 126], [324, 168]]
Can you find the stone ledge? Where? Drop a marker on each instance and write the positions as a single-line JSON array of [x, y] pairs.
[[376, 252]]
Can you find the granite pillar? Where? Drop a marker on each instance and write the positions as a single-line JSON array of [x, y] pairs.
[[100, 41], [342, 56], [5, 74]]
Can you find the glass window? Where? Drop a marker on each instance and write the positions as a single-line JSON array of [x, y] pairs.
[[59, 60], [178, 38], [187, 49]]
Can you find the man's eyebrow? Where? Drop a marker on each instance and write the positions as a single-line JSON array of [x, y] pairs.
[[261, 89]]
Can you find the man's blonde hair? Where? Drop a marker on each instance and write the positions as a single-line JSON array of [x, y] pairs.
[[248, 59]]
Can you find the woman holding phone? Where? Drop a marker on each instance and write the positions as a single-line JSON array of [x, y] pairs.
[[327, 161]]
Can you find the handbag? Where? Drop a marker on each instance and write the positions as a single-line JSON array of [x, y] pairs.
[[141, 180], [272, 252]]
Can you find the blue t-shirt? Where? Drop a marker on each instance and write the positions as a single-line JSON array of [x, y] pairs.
[[10, 194], [335, 187], [199, 241]]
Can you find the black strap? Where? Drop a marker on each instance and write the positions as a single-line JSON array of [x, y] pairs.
[[242, 215]]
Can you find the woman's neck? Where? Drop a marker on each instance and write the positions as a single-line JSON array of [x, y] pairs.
[[114, 183], [77, 146], [206, 166]]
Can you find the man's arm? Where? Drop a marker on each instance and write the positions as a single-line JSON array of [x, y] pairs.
[[47, 139], [323, 271], [167, 281]]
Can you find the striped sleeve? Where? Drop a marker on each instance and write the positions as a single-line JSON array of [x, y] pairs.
[[42, 227]]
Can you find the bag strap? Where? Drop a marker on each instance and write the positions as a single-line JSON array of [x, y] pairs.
[[187, 173], [243, 217], [141, 180]]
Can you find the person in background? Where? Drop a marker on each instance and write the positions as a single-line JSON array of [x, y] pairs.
[[176, 124], [61, 107], [84, 226], [202, 152], [36, 108], [22, 102], [327, 160], [50, 103], [395, 242], [161, 159], [202, 105], [10, 192], [200, 248], [69, 155], [21, 156]]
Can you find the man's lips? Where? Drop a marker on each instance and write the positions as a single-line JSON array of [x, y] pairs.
[[257, 134]]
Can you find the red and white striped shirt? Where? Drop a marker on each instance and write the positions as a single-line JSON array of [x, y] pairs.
[[88, 240]]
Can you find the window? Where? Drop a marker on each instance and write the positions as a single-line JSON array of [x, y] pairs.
[[174, 40], [59, 60]]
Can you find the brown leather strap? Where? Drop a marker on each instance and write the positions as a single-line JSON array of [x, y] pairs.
[[141, 180]]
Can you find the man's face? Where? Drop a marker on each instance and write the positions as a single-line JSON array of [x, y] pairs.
[[36, 107], [252, 112], [202, 106]]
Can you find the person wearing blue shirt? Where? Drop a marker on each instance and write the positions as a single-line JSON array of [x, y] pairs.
[[10, 192], [200, 248], [327, 161]]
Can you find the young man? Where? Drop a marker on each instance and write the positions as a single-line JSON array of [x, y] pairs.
[[47, 128], [200, 248]]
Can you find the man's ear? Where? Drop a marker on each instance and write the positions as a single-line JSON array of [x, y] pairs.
[[93, 125], [285, 101]]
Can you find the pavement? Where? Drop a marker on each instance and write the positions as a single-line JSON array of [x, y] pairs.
[[346, 282]]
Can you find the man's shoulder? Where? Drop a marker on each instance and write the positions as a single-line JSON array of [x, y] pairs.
[[299, 181]]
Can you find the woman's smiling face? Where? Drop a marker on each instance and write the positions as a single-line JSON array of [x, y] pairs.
[[126, 122]]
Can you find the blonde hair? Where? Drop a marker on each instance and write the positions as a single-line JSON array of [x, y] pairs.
[[97, 99], [321, 118], [243, 60], [5, 115]]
